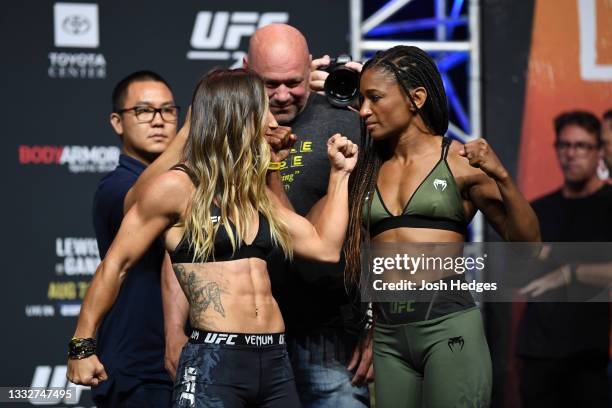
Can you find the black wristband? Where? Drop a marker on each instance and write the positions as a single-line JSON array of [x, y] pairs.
[[81, 348]]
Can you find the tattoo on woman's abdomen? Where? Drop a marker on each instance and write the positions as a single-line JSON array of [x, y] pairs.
[[200, 293]]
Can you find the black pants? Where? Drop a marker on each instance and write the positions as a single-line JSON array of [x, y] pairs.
[[577, 381], [146, 395], [228, 376]]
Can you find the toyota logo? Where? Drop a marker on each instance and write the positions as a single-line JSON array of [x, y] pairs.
[[76, 24]]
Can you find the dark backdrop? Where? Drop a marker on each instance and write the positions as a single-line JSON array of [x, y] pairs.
[[60, 62], [506, 39]]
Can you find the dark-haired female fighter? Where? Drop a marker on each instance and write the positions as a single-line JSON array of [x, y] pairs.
[[413, 185]]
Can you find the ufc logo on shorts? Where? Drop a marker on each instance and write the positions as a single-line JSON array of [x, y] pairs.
[[217, 35], [218, 338], [189, 384]]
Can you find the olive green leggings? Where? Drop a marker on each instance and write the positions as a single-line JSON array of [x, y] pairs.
[[438, 363]]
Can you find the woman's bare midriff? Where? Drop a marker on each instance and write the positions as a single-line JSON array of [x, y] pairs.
[[419, 242], [417, 235], [231, 296]]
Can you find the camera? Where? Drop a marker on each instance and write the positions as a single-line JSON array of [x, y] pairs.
[[342, 85]]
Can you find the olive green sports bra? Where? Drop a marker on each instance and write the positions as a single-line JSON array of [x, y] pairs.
[[436, 203]]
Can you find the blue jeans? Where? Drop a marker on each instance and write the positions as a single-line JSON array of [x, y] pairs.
[[319, 365]]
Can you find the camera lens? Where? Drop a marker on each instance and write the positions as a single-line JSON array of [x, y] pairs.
[[341, 86]]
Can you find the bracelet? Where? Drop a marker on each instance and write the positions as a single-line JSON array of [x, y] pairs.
[[81, 348], [274, 166], [369, 318]]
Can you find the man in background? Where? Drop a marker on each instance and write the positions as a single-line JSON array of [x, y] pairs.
[[130, 339], [564, 346], [606, 136]]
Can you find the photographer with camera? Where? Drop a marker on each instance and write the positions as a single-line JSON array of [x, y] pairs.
[[337, 78], [330, 350]]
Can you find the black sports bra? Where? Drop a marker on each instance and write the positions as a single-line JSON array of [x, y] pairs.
[[261, 246]]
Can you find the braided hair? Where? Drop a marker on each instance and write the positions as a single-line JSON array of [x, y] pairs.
[[411, 67]]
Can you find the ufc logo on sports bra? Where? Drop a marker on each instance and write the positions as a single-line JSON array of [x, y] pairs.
[[215, 219]]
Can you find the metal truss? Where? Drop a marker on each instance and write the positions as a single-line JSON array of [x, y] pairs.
[[373, 34]]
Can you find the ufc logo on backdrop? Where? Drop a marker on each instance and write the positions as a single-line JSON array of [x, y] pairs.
[[55, 377], [217, 35], [590, 69]]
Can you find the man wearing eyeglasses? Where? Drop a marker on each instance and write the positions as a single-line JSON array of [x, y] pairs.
[[564, 346], [606, 136], [130, 339]]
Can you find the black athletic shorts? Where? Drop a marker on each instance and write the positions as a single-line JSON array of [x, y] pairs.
[[227, 370]]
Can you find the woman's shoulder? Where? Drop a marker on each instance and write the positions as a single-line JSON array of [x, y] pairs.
[[170, 189], [175, 180], [459, 164], [455, 147]]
